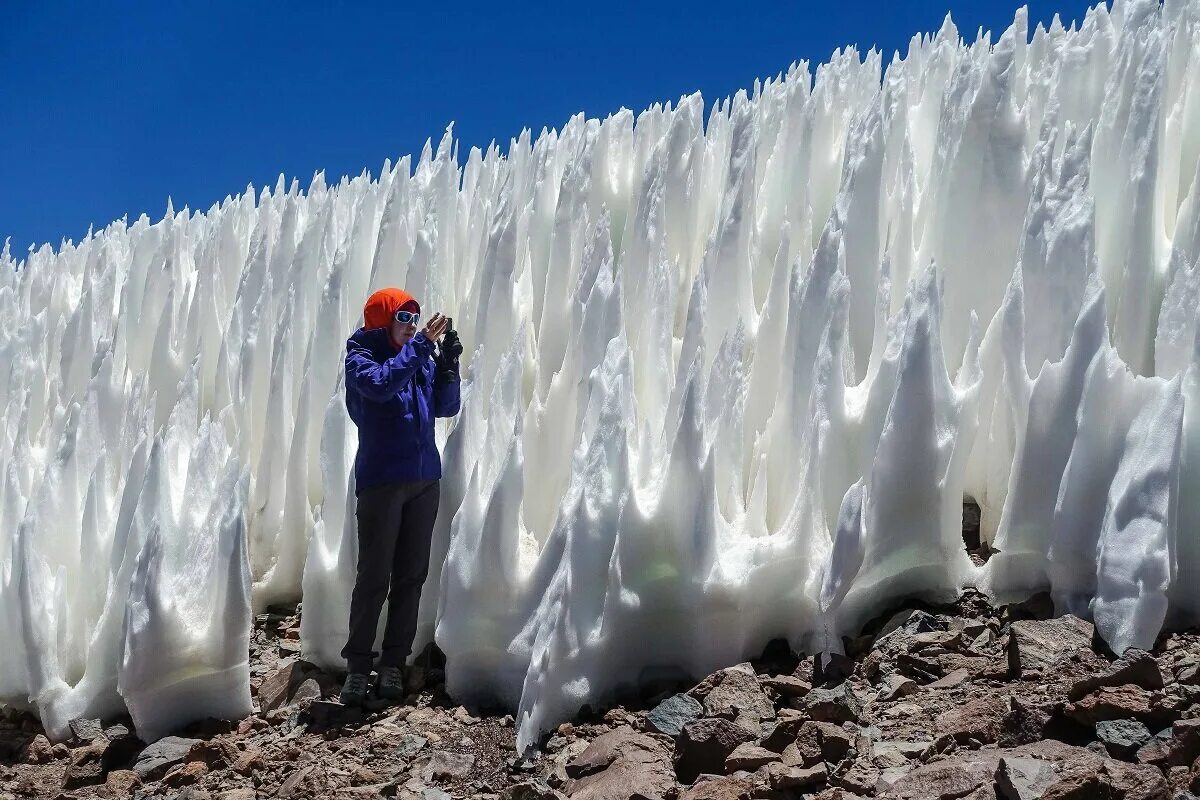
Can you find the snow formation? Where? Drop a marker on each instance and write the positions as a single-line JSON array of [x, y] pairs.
[[730, 379]]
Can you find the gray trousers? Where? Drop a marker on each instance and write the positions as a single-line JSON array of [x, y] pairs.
[[395, 526]]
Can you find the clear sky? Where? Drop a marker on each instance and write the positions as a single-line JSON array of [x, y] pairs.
[[110, 108]]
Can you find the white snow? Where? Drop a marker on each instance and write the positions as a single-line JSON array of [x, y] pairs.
[[728, 379]]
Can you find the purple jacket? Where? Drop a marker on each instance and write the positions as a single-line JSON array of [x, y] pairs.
[[393, 398]]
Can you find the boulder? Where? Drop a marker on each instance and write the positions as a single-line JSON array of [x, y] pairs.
[[1135, 667], [1123, 737], [669, 716], [979, 720], [85, 729], [623, 743], [1120, 702], [737, 692], [1044, 644], [86, 767], [794, 778], [787, 685], [275, 689], [531, 790], [1023, 778], [749, 757], [952, 778], [716, 787], [153, 762], [443, 765], [839, 704], [704, 745], [1088, 779], [896, 686]]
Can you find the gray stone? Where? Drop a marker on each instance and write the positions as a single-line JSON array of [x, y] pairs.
[[838, 704], [85, 730], [896, 686], [431, 793], [1044, 644], [409, 745], [1023, 778], [531, 790], [1122, 737], [443, 765], [153, 762], [308, 690], [749, 757], [672, 714]]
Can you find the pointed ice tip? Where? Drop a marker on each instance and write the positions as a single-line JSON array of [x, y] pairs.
[[170, 209]]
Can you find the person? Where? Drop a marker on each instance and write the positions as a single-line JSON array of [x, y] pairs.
[[395, 386]]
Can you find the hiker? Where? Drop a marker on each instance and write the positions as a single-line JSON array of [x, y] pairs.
[[395, 386]]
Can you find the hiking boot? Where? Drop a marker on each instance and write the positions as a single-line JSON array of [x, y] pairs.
[[354, 690], [391, 683]]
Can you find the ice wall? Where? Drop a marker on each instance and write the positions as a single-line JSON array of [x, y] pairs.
[[729, 378]]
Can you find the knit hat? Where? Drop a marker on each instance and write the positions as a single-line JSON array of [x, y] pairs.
[[381, 307]]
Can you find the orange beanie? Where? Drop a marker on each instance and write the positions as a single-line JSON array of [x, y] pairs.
[[382, 306]]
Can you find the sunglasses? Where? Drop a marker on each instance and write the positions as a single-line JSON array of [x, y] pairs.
[[408, 317]]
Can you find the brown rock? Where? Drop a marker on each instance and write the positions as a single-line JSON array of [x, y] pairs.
[[1180, 749], [1118, 702], [531, 790], [241, 793], [749, 757], [704, 745], [950, 680], [980, 720], [277, 687], [185, 774], [896, 686], [635, 772], [38, 751], [1023, 778], [1086, 779], [86, 767], [1044, 644], [955, 777], [715, 787], [214, 752], [442, 765], [1135, 667], [121, 782], [360, 776], [249, 761], [839, 704], [784, 777], [738, 696], [622, 743]]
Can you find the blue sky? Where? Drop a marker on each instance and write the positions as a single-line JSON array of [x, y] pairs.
[[110, 108]]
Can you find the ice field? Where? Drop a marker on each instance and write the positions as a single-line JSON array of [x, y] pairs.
[[729, 377]]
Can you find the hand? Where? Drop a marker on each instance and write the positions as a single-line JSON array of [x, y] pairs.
[[451, 345], [435, 327]]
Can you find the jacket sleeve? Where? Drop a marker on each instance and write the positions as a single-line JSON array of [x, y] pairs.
[[445, 391], [381, 382]]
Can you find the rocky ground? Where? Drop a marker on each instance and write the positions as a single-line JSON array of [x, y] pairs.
[[960, 702]]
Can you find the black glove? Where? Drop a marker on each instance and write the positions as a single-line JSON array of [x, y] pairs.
[[449, 349]]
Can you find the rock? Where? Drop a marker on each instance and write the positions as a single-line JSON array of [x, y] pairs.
[[1087, 779], [950, 680], [185, 774], [327, 714], [1023, 778], [838, 704], [832, 668], [783, 776], [249, 761], [121, 782], [431, 793], [622, 743], [86, 767], [38, 751], [153, 762], [704, 745], [85, 729], [1122, 737], [294, 784], [1044, 644], [1118, 702], [715, 787], [672, 714], [242, 793], [980, 720], [409, 745], [896, 686], [954, 777], [309, 689], [275, 689], [444, 765], [116, 731], [738, 696], [626, 764], [1135, 667], [749, 757], [889, 754], [787, 685], [905, 624], [531, 790], [214, 752], [1178, 746]]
